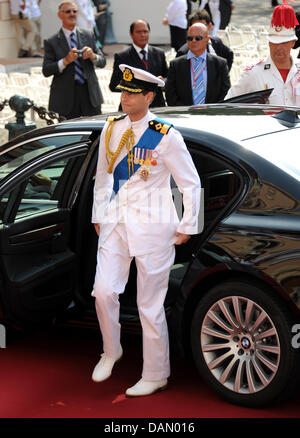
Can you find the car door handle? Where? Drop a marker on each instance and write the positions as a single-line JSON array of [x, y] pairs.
[[57, 235]]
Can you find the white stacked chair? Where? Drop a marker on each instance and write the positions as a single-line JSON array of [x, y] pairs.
[[36, 70], [111, 99], [249, 44], [19, 79], [239, 39], [170, 55], [223, 34]]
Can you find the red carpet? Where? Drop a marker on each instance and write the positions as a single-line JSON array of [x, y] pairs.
[[47, 375]]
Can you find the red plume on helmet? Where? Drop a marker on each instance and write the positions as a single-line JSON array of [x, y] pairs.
[[283, 23], [284, 15]]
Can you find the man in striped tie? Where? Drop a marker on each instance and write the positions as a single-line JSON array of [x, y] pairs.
[[71, 56], [197, 77]]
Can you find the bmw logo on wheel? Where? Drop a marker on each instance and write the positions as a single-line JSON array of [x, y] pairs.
[[245, 343]]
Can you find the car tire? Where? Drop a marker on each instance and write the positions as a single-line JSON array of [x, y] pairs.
[[241, 343]]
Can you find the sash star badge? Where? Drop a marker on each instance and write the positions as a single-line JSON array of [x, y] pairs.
[[144, 172]]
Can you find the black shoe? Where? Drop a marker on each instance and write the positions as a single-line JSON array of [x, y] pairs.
[[38, 55], [23, 53]]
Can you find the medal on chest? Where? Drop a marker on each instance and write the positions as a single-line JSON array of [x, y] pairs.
[[147, 157]]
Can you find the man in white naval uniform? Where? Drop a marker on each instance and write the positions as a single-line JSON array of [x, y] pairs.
[[137, 155], [279, 70]]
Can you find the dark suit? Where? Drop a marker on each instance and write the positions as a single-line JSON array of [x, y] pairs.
[[64, 92], [218, 46], [225, 11], [102, 19], [179, 87], [157, 65], [225, 8]]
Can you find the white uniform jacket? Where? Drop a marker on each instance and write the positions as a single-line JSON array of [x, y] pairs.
[[146, 207], [265, 75]]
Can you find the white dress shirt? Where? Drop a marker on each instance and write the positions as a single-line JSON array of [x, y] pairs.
[[15, 7], [33, 9], [139, 49], [85, 16], [176, 13]]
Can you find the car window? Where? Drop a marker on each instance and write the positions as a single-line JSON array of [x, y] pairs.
[[14, 158], [40, 192]]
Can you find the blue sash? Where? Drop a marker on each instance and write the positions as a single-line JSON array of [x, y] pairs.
[[149, 140]]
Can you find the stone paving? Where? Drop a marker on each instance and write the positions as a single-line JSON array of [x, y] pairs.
[[254, 12]]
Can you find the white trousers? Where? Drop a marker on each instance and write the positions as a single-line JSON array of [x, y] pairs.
[[153, 270], [215, 15]]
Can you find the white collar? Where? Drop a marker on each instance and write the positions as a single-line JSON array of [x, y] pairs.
[[142, 121], [68, 32], [138, 49]]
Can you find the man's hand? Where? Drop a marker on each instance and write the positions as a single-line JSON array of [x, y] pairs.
[[182, 238], [88, 53], [97, 228], [71, 56]]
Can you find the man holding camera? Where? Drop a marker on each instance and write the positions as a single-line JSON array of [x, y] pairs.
[[71, 56], [24, 27]]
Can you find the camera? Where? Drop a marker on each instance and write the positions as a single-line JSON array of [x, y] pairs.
[[79, 53]]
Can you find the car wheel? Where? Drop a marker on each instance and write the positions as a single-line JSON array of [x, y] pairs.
[[241, 343]]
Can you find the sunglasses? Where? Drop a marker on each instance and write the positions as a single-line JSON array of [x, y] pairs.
[[68, 11], [197, 38]]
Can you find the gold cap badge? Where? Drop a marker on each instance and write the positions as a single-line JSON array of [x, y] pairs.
[[127, 75]]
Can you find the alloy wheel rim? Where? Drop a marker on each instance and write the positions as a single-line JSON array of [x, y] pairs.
[[240, 344]]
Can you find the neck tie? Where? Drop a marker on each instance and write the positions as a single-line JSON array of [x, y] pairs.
[[23, 4], [79, 77], [144, 53], [198, 67]]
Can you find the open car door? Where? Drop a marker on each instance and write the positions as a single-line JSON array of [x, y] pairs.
[[259, 97], [39, 180]]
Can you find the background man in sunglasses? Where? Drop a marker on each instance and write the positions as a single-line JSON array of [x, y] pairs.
[[71, 56], [197, 77], [215, 45]]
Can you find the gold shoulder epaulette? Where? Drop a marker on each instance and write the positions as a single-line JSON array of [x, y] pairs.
[[159, 126], [115, 118]]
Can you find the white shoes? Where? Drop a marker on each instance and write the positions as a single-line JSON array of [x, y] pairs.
[[143, 387], [103, 369]]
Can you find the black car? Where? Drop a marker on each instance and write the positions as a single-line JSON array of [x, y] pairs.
[[233, 303]]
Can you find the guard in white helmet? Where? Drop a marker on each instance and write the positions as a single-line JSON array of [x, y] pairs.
[[279, 70], [135, 217]]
